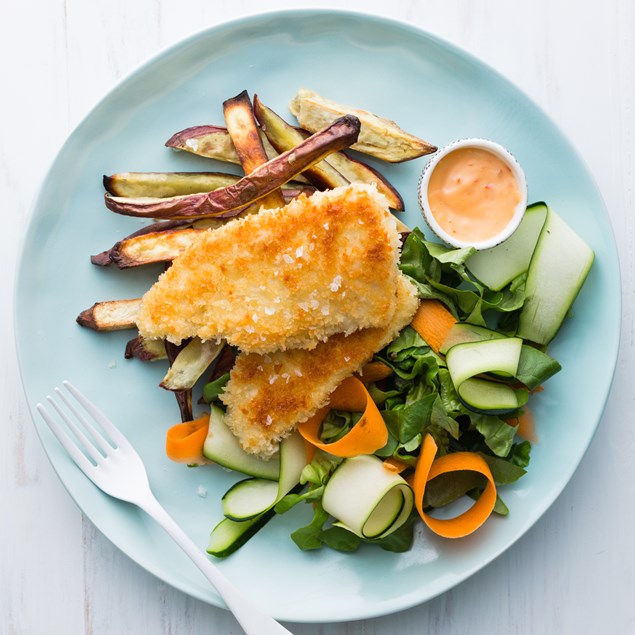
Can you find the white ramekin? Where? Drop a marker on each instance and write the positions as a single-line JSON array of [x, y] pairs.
[[504, 155]]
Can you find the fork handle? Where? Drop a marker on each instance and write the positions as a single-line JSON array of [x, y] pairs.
[[253, 620]]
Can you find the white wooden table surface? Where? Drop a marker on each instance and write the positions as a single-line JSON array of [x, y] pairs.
[[574, 572]]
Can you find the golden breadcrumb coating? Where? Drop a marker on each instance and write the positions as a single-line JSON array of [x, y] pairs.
[[268, 395], [283, 278]]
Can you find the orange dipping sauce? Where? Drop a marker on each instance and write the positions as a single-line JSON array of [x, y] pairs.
[[473, 194]]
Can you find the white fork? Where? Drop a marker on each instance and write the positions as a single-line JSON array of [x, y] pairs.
[[111, 463]]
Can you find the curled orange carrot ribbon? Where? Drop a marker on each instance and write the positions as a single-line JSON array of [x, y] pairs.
[[429, 468], [184, 441], [368, 435]]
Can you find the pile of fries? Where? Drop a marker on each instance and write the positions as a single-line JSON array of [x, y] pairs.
[[279, 161]]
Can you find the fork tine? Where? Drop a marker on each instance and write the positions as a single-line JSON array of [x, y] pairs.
[[98, 438], [82, 441], [69, 445], [117, 437]]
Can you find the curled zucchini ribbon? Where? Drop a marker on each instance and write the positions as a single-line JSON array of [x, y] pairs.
[[497, 356], [367, 498], [248, 505], [429, 468], [368, 435], [253, 496]]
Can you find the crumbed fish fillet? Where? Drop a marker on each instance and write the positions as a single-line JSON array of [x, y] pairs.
[[283, 278], [268, 395]]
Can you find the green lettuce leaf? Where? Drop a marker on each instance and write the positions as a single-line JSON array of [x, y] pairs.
[[213, 389], [408, 421], [497, 434], [340, 539], [535, 367], [520, 454], [503, 470], [309, 537]]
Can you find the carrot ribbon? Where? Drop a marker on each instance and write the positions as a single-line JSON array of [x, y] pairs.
[[433, 323], [184, 441], [367, 436], [429, 468]]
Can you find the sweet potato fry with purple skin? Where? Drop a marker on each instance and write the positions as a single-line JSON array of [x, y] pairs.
[[185, 207], [162, 246], [190, 364], [104, 258], [227, 202], [212, 142], [338, 169], [183, 397], [243, 130], [111, 315], [145, 350], [165, 184], [378, 137]]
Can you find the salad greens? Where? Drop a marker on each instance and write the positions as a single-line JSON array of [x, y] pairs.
[[419, 398], [440, 273]]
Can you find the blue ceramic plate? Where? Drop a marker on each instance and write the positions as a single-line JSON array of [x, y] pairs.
[[429, 88]]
